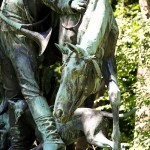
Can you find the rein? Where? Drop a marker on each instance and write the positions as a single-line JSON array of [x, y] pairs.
[[73, 26]]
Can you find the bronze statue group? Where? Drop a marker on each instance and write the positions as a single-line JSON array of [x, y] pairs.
[[26, 30]]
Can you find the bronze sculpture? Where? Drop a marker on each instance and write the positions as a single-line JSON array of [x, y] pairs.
[[87, 60], [19, 19], [91, 56], [87, 122]]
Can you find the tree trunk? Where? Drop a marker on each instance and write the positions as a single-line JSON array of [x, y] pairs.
[[142, 122], [145, 8]]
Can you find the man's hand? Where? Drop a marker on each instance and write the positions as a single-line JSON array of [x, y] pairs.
[[114, 93], [79, 5]]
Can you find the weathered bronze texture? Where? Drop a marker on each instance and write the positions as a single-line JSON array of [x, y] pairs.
[[88, 53], [87, 122], [87, 38], [24, 23]]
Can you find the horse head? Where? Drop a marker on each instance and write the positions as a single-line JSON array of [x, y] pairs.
[[81, 77]]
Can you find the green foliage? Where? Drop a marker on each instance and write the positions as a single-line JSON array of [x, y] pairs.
[[143, 90], [132, 48], [51, 77], [128, 19]]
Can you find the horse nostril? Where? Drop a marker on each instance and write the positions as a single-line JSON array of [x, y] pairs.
[[58, 113]]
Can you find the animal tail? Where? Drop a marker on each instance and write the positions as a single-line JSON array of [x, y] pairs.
[[110, 115]]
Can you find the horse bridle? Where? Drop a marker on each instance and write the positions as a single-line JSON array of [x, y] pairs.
[[92, 59], [97, 72]]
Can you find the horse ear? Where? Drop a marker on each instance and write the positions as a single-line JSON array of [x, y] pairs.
[[76, 49], [62, 49]]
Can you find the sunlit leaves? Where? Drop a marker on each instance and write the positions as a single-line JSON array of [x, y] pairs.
[[133, 52]]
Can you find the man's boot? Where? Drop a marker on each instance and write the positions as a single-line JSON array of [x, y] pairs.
[[21, 135], [45, 124]]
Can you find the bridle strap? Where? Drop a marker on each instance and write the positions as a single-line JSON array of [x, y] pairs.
[[73, 26], [98, 74], [97, 68]]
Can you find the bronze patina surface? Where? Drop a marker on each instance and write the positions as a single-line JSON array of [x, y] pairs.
[[24, 24]]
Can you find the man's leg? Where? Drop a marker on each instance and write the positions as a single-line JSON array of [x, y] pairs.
[[21, 135], [24, 62]]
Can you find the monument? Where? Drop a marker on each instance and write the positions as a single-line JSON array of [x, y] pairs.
[[87, 37]]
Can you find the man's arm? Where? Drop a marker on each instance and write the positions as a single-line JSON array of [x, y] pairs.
[[97, 27], [66, 6]]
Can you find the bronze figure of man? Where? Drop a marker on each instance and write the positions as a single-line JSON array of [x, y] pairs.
[[19, 64]]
